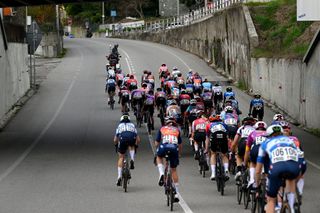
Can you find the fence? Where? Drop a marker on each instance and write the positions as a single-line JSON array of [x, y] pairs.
[[183, 20]]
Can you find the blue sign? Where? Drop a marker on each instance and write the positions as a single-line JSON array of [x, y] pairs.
[[113, 13]]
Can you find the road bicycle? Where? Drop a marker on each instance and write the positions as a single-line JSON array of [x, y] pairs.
[[185, 126], [162, 114], [242, 188], [285, 207], [126, 176], [149, 121], [258, 197], [220, 173], [139, 115], [168, 183], [111, 100], [202, 160]]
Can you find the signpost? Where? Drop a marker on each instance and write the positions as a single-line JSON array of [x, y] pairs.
[[308, 10], [113, 13]]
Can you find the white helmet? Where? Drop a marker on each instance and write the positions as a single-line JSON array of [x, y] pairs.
[[278, 117], [175, 68], [228, 109], [273, 129], [260, 125]]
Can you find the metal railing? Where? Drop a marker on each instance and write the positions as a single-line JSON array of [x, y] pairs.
[[183, 20]]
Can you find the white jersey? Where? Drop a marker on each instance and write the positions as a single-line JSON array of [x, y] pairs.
[[244, 131], [175, 73], [217, 89]]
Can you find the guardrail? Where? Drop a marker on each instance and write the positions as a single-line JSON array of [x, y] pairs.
[[183, 20]]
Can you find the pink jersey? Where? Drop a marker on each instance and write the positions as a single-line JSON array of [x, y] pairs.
[[255, 137]]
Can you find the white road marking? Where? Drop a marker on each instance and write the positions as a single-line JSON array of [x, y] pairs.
[[313, 164], [129, 62], [189, 68], [19, 160]]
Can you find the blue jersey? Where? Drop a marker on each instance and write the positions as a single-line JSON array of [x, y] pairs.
[[228, 94], [216, 127], [256, 104], [278, 149], [126, 131], [111, 82], [207, 85]]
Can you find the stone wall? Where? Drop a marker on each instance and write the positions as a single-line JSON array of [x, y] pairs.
[[50, 46]]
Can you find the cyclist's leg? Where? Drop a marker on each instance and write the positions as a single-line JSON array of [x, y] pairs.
[[160, 155], [122, 148], [151, 110], [213, 150], [224, 151], [174, 162]]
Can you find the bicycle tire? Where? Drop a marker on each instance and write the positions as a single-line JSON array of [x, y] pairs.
[[222, 180], [217, 178], [171, 199], [149, 123], [285, 208], [260, 204], [125, 180], [239, 193], [297, 207], [246, 198], [253, 203]]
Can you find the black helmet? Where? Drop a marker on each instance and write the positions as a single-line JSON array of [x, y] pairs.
[[125, 118], [248, 121], [229, 89], [257, 95]]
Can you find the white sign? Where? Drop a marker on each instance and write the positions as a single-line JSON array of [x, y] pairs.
[[308, 10]]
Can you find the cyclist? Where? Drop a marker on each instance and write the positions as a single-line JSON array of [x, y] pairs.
[[235, 104], [197, 85], [119, 79], [173, 110], [191, 113], [110, 88], [111, 73], [180, 81], [169, 84], [126, 137], [132, 83], [168, 141], [282, 154], [240, 142], [254, 140], [137, 97], [198, 132], [257, 107], [230, 119], [160, 98], [303, 165], [149, 106], [175, 72], [228, 93], [163, 71], [189, 88], [184, 100], [124, 97], [150, 78], [207, 100], [217, 135], [207, 85], [144, 76], [217, 96]]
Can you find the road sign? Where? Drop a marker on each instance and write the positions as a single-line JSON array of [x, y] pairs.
[[69, 21], [308, 10], [113, 13], [34, 37]]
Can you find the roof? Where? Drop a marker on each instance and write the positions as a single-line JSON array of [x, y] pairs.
[[19, 3], [312, 47]]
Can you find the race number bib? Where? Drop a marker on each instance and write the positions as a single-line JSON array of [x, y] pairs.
[[246, 132], [217, 128], [230, 121], [260, 140], [257, 106], [201, 126], [280, 154], [171, 139]]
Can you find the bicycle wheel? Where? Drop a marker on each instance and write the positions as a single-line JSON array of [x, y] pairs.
[[149, 123], [285, 208], [253, 202], [246, 198], [222, 178], [171, 198], [217, 176], [239, 193], [125, 177], [261, 203], [111, 102]]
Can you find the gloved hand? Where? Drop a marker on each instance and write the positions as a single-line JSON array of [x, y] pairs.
[[155, 160]]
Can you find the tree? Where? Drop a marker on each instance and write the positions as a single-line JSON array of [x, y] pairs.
[[138, 6]]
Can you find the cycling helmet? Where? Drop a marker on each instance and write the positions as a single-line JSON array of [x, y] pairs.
[[159, 89], [260, 125], [145, 71], [217, 84], [193, 102], [206, 90], [169, 119], [231, 97], [163, 65], [228, 103], [179, 74], [229, 89], [173, 102], [123, 87], [144, 85], [278, 117], [284, 124], [199, 113], [228, 109], [274, 129], [205, 80], [175, 68], [214, 118], [150, 92], [248, 121], [257, 95], [125, 118], [131, 76]]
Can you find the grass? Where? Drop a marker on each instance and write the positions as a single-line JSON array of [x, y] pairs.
[[278, 30], [63, 53], [314, 131], [241, 85]]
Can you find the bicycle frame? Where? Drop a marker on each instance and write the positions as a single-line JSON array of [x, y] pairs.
[[169, 191], [125, 172]]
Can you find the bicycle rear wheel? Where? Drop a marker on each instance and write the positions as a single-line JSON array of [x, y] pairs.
[[285, 208], [239, 193], [125, 178], [253, 202]]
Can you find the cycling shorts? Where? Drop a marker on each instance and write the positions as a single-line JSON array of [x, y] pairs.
[[219, 142], [254, 153], [208, 103], [191, 118], [125, 143], [302, 165], [111, 89], [161, 101], [173, 153], [200, 137], [232, 131], [242, 147], [286, 169], [149, 108], [125, 99]]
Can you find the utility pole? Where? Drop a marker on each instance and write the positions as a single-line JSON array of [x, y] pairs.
[[103, 12], [58, 27], [178, 8]]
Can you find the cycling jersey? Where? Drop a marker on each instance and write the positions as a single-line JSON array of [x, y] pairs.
[[207, 85], [170, 84], [111, 73], [149, 100], [160, 94], [199, 125], [137, 94], [184, 99], [175, 73], [207, 96], [226, 95], [180, 80], [126, 131], [173, 111], [175, 92], [132, 83], [256, 104], [245, 130], [218, 134], [217, 90]]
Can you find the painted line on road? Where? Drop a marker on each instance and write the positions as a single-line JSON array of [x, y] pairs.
[[313, 164], [129, 62], [189, 68], [19, 160]]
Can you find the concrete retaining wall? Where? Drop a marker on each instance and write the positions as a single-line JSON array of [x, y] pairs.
[[14, 75], [50, 45]]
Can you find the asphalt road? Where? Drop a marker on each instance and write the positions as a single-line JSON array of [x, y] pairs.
[[57, 154]]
